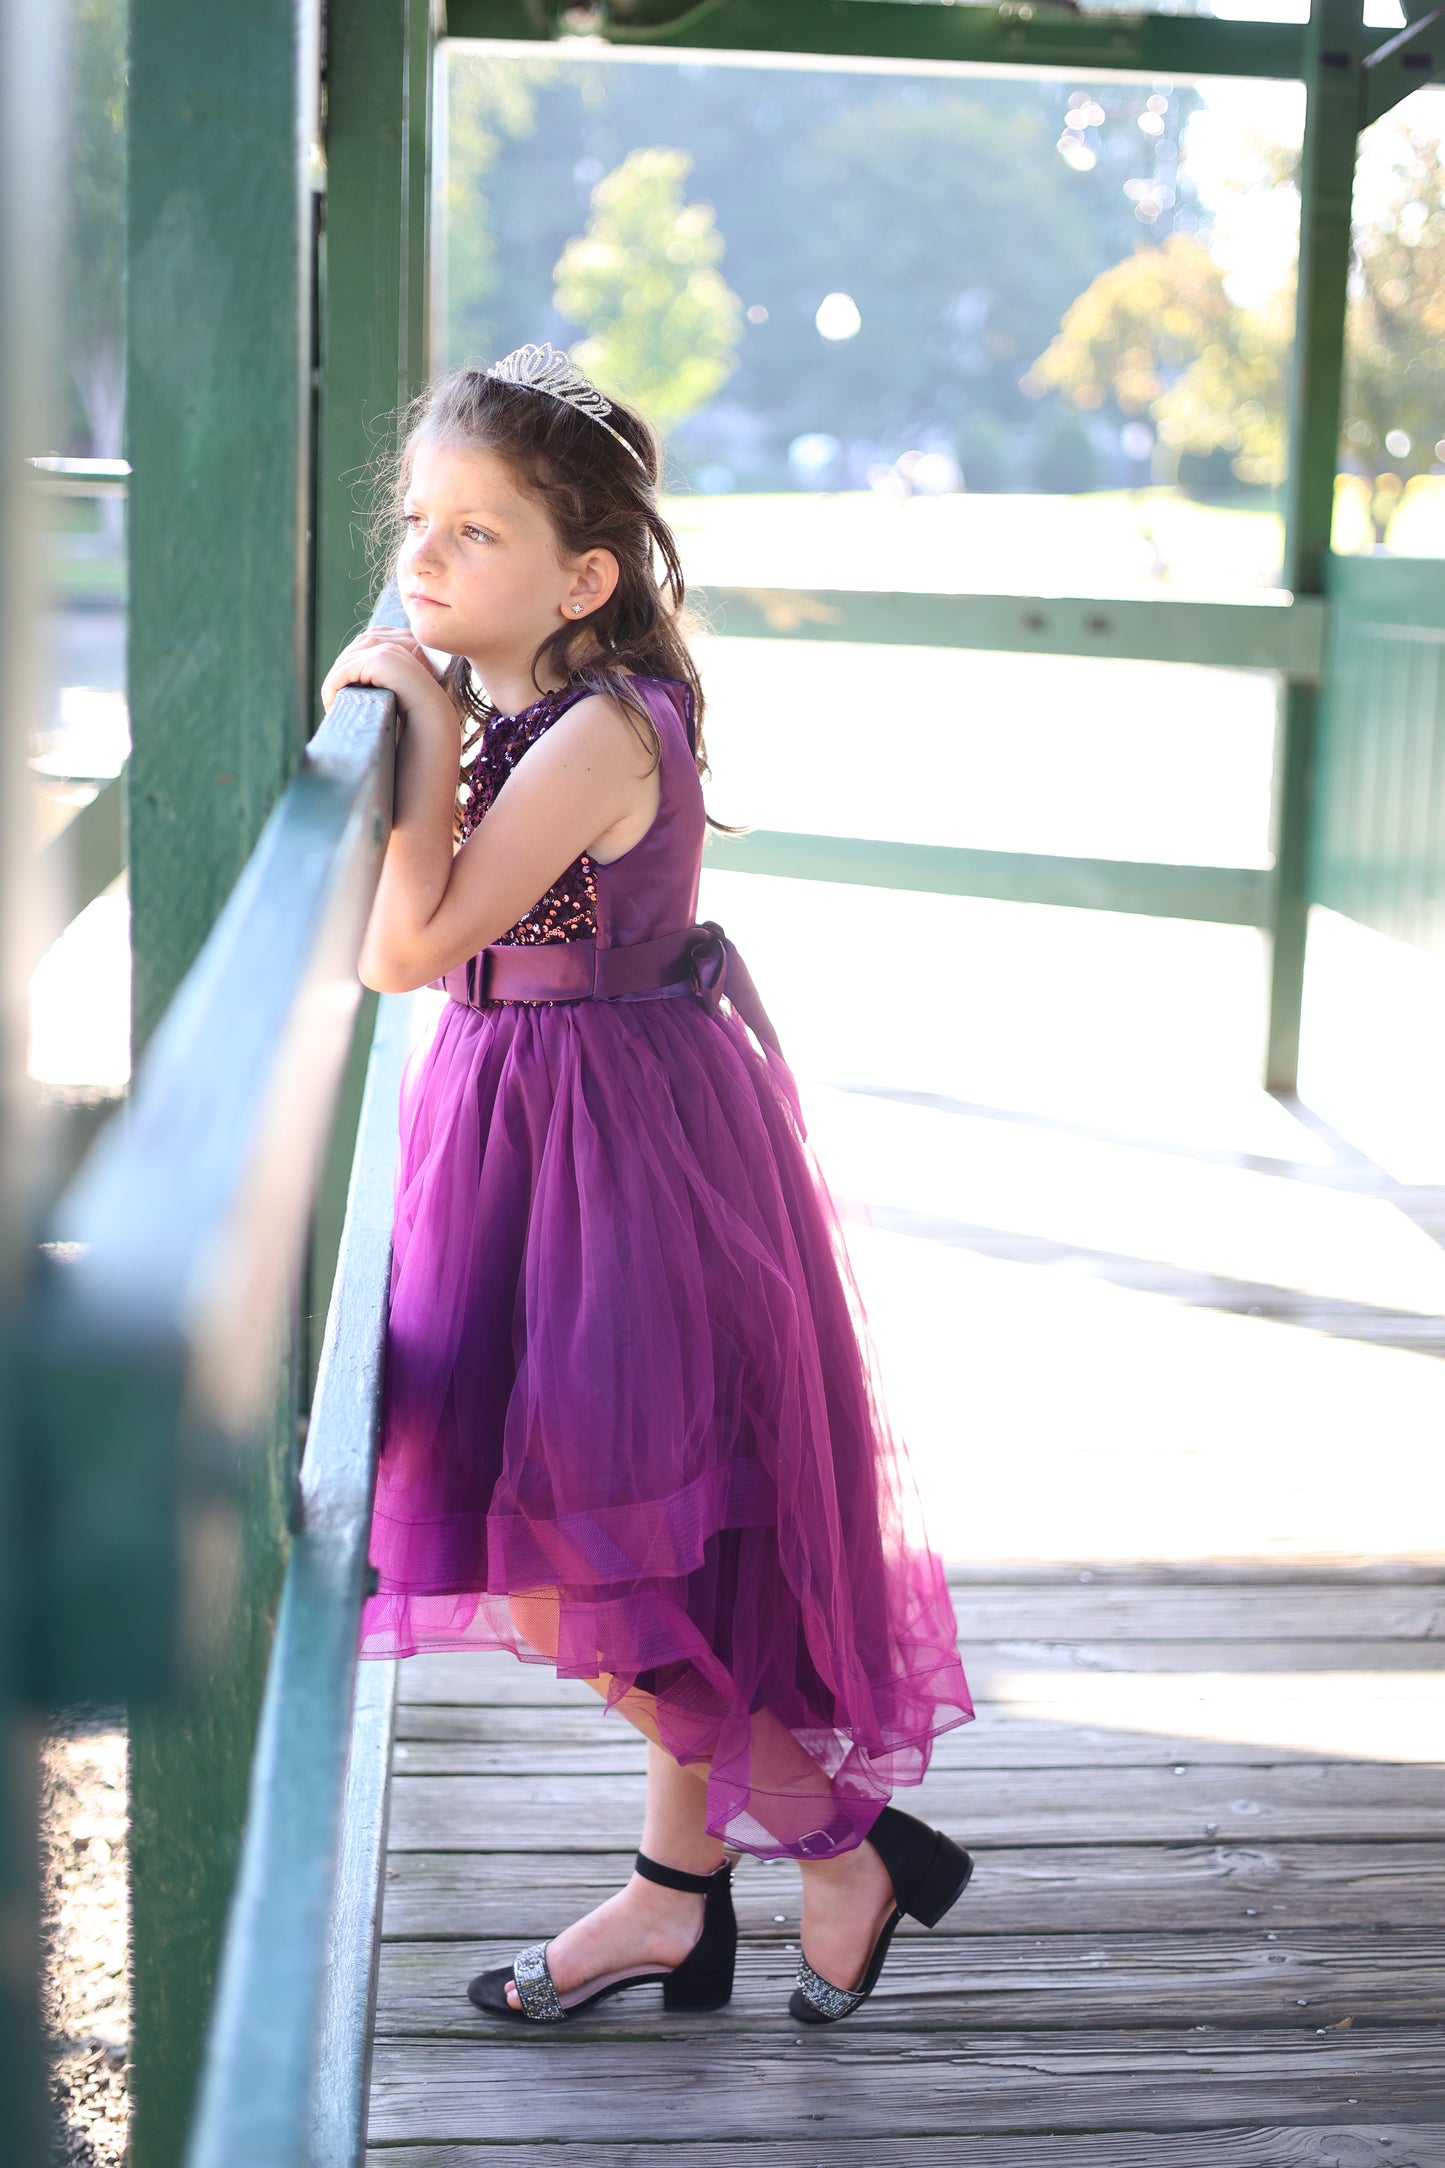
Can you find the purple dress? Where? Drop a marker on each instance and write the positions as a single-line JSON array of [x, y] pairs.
[[631, 1424]]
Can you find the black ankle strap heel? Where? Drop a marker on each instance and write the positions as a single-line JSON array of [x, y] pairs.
[[704, 1979]]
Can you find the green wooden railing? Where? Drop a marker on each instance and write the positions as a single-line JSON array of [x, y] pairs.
[[156, 1338], [292, 2025], [1378, 844], [1279, 633]]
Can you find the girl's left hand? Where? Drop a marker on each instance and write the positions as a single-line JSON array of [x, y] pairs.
[[392, 660]]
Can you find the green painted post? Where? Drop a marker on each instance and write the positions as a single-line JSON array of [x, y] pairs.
[[32, 73], [372, 319], [422, 19], [222, 115], [217, 428], [379, 57], [1327, 172]]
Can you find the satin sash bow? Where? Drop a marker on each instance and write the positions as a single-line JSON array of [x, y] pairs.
[[718, 969], [698, 959]]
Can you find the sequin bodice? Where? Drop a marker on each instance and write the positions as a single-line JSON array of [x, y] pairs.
[[568, 911], [648, 890]]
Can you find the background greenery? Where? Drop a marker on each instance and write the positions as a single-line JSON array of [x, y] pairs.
[[1044, 296], [1032, 263], [943, 208]]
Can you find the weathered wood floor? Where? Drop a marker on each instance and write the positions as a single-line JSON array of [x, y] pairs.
[[1206, 1926]]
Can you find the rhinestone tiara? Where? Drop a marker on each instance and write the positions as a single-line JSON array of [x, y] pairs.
[[542, 368]]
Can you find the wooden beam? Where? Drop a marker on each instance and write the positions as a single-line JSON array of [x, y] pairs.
[[1287, 636], [1327, 168], [1405, 63], [79, 863], [1223, 895], [1012, 36]]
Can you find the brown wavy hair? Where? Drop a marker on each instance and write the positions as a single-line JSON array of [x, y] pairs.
[[596, 495]]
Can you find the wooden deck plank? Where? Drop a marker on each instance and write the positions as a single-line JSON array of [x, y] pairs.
[[1105, 1612], [1018, 1806], [487, 1679], [998, 1982], [788, 2082], [1395, 2145], [1335, 1569], [1019, 1735], [1241, 1892], [1095, 1889]]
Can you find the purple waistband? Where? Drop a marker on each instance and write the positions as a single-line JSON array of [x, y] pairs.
[[698, 959]]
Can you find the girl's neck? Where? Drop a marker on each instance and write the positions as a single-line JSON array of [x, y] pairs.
[[511, 687]]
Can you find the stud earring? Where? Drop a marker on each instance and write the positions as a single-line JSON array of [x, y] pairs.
[[576, 609]]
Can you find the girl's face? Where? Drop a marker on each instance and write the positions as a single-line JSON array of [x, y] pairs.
[[479, 569]]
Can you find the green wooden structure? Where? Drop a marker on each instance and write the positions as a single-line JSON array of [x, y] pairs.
[[163, 1538]]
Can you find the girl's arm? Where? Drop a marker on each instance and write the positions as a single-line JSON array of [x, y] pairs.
[[432, 908]]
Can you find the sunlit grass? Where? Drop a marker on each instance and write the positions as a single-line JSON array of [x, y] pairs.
[[1104, 542]]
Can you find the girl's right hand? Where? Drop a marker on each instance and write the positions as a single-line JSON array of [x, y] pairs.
[[378, 656]]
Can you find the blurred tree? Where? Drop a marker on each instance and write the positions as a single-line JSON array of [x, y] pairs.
[[947, 209], [985, 233], [1395, 350], [492, 109], [1159, 335], [662, 323], [982, 445], [1065, 462], [94, 309]]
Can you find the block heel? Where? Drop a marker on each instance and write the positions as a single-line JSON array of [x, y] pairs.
[[941, 1885], [929, 1872], [703, 1991], [704, 1979]]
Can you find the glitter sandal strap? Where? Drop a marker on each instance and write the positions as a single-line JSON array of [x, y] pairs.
[[827, 2000], [536, 1989]]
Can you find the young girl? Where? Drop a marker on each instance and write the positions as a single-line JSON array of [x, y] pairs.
[[631, 1426]]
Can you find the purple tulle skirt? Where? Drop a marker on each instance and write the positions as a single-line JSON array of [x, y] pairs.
[[631, 1421]]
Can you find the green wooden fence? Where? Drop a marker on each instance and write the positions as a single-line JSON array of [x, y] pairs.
[[1378, 849], [165, 1537]]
